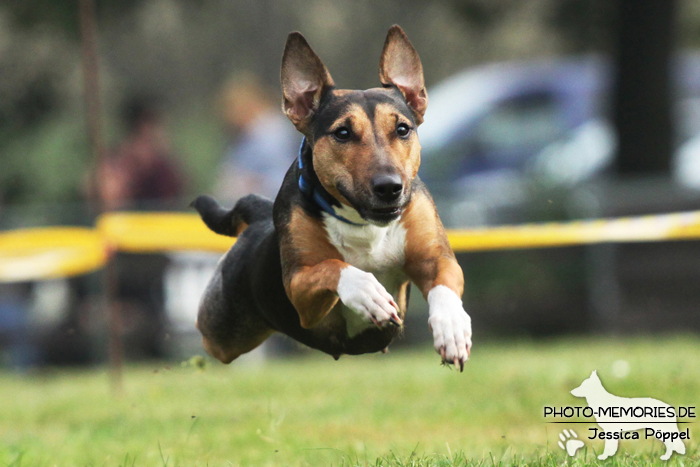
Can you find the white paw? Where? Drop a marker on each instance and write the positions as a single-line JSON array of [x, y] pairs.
[[569, 442], [451, 326], [361, 292]]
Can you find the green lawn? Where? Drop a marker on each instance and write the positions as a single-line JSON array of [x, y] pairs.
[[402, 408]]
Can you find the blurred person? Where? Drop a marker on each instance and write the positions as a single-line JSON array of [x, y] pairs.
[[264, 145], [141, 171]]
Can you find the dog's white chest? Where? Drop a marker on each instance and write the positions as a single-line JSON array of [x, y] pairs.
[[370, 248], [379, 250]]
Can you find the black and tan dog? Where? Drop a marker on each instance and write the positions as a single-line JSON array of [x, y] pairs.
[[329, 262]]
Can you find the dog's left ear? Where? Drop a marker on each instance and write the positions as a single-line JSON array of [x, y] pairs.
[[400, 66]]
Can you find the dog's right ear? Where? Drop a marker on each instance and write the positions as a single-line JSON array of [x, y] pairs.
[[304, 79], [400, 66]]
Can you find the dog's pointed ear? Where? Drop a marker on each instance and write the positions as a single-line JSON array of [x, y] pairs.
[[400, 66], [304, 79]]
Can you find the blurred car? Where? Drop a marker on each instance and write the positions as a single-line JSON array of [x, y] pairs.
[[496, 134]]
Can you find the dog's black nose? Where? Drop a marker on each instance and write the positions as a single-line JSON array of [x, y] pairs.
[[387, 187]]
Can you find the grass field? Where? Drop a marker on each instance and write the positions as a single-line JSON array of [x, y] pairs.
[[398, 409]]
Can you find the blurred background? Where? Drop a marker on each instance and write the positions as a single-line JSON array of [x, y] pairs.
[[539, 110]]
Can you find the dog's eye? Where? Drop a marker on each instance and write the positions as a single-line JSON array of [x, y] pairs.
[[403, 130], [342, 133]]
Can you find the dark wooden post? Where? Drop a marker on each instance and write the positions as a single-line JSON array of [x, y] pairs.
[[91, 81]]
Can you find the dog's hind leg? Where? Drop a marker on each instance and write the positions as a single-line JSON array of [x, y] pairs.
[[228, 318], [230, 327], [228, 349], [243, 334]]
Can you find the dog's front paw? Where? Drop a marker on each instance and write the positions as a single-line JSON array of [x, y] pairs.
[[361, 292], [451, 326]]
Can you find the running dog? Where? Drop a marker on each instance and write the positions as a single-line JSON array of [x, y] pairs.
[[329, 262]]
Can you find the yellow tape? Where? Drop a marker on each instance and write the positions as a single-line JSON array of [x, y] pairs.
[[675, 226], [157, 232], [36, 254], [48, 253], [142, 232]]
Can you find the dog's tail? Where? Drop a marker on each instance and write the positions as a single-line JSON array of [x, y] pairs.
[[248, 210]]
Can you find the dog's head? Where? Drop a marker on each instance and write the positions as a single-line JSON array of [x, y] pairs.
[[589, 386], [365, 148]]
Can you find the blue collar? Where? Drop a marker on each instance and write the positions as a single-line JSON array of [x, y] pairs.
[[311, 192]]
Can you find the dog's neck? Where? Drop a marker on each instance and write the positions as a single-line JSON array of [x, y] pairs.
[[311, 187]]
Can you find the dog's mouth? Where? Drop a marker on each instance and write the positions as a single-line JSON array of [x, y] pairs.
[[383, 215], [373, 212], [386, 211]]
